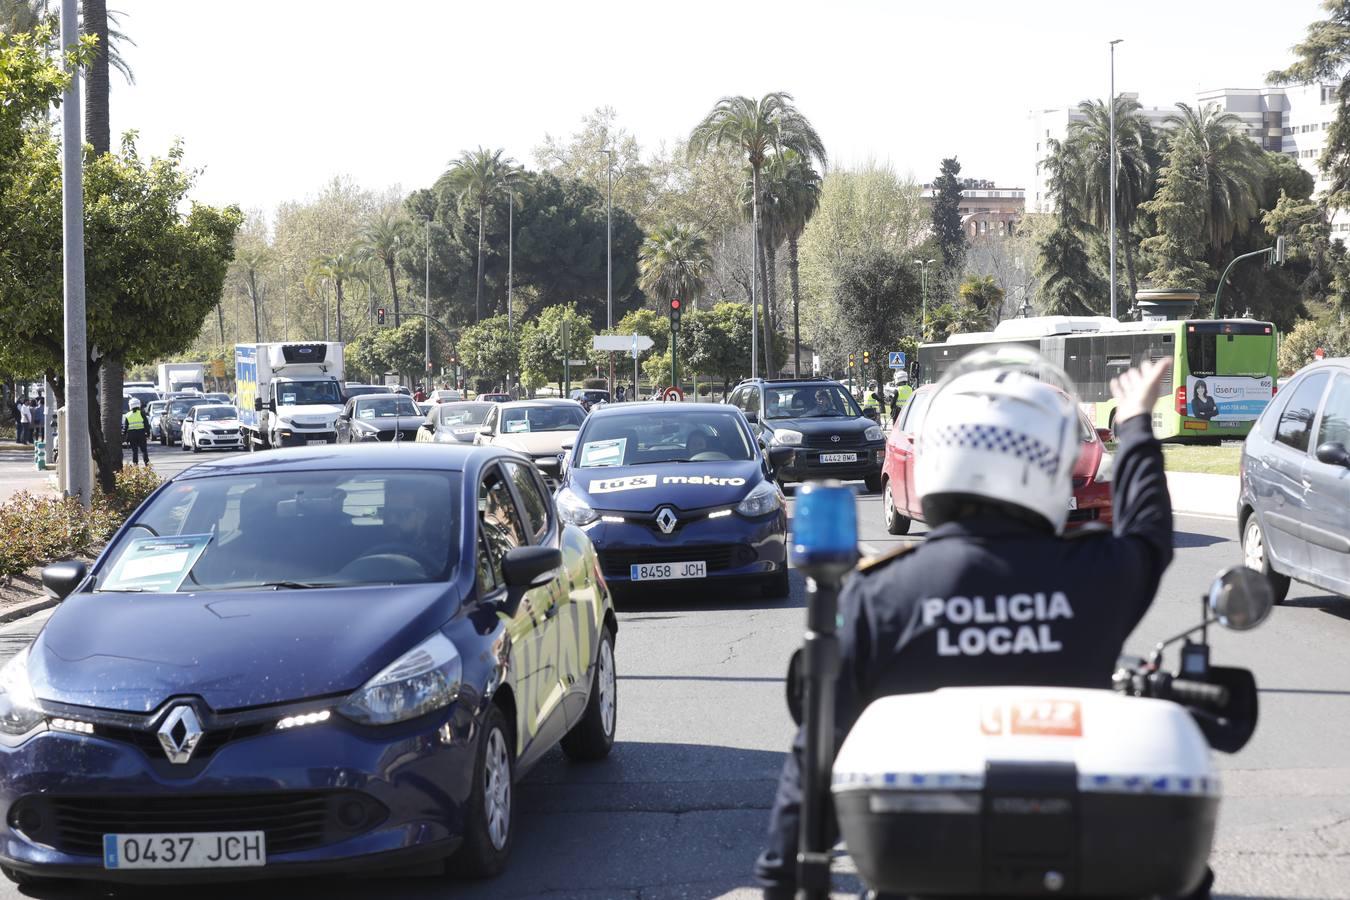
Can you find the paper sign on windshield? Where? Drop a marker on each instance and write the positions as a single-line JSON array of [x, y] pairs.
[[517, 426], [603, 453], [156, 563]]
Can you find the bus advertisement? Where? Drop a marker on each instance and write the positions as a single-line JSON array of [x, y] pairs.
[[1222, 373]]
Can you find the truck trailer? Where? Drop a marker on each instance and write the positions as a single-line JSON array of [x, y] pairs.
[[289, 393], [181, 377]]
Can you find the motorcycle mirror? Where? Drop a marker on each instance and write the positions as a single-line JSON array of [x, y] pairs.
[[1240, 598]]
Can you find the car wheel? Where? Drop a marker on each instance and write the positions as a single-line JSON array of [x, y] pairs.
[[488, 820], [895, 523], [777, 586], [593, 735], [1254, 555], [195, 448], [873, 484]]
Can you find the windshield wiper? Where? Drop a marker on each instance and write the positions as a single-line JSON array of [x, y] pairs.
[[296, 585]]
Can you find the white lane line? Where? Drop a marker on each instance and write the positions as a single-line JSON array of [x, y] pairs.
[[1186, 515], [869, 550]]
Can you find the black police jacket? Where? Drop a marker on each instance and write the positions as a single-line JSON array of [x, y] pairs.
[[993, 602]]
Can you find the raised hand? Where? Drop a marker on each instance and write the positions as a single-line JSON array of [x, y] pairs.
[[1136, 391]]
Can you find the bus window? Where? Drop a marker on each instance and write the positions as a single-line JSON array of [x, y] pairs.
[[1201, 353]]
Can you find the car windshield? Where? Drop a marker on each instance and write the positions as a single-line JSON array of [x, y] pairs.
[[385, 408], [525, 419], [308, 393], [591, 396], [289, 530], [800, 401], [157, 407], [179, 408], [634, 439], [216, 413], [217, 398], [465, 413]]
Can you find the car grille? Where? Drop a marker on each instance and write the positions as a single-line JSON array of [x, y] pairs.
[[148, 741], [406, 434], [292, 820], [618, 563], [823, 442]]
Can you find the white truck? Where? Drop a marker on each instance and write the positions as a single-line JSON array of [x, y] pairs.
[[289, 394], [181, 377]]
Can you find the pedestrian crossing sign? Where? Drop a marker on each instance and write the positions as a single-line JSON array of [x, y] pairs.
[[897, 359]]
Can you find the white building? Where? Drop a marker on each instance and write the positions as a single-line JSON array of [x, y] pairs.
[[1292, 120]]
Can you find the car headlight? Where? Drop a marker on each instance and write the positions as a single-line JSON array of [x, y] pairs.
[[874, 433], [573, 510], [786, 437], [18, 708], [760, 501], [1105, 468], [422, 680]]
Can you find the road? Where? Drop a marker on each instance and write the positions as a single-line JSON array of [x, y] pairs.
[[679, 808]]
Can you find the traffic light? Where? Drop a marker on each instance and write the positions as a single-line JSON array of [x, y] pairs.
[[379, 316], [675, 313], [852, 361], [867, 358]]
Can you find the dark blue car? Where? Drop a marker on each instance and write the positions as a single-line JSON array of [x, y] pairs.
[[677, 494], [316, 659]]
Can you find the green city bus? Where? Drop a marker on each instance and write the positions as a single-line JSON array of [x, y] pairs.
[[1223, 371]]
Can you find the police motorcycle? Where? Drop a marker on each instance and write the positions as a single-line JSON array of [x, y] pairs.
[[1017, 791]]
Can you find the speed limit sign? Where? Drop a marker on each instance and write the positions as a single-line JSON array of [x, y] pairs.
[[672, 394]]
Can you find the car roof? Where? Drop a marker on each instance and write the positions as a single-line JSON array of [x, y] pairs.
[[540, 403], [385, 396], [647, 407], [374, 457]]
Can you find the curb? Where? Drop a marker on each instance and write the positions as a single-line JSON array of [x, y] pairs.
[[1200, 494], [24, 610]]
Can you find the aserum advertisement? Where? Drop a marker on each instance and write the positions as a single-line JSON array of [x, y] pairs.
[[1231, 398]]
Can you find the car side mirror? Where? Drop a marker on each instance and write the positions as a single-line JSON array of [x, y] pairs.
[[1105, 435], [429, 426], [60, 579], [525, 568], [872, 413], [257, 404], [779, 457], [1333, 453], [752, 418], [485, 431]]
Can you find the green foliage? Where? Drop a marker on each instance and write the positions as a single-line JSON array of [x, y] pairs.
[[951, 237], [1296, 347], [876, 293], [1230, 167], [1069, 286], [674, 261], [489, 347], [1180, 211], [582, 158], [541, 349], [395, 350], [649, 322], [1324, 56], [982, 292], [716, 342], [30, 82], [954, 318]]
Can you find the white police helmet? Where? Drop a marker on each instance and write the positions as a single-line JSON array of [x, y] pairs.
[[901, 377], [135, 403], [1003, 428]]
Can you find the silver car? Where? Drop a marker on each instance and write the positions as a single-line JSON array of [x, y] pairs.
[[1292, 510]]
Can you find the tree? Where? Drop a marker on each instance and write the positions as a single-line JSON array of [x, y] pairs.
[[947, 228], [541, 344], [755, 128], [674, 262], [252, 259], [1069, 286], [1229, 166], [876, 292], [153, 271], [1321, 57], [488, 348], [385, 240], [1180, 210], [795, 188], [1089, 140], [1296, 349], [716, 342], [982, 293], [339, 268], [480, 177], [583, 158]]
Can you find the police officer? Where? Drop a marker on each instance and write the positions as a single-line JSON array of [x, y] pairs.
[[136, 429], [996, 594]]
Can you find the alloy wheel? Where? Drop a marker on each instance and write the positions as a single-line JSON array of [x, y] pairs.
[[605, 682], [1254, 547], [497, 789]]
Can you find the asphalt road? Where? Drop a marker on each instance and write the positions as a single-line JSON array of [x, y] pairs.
[[678, 810]]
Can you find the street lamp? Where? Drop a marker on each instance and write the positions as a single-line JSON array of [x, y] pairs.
[[510, 271], [426, 326], [923, 265], [609, 260], [1111, 150]]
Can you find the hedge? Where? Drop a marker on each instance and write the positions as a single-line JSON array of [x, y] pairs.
[[36, 530]]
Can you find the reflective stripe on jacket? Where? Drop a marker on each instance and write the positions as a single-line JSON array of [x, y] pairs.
[[134, 421]]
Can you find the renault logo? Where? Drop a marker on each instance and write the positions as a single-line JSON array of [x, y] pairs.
[[666, 519], [834, 439], [179, 734]]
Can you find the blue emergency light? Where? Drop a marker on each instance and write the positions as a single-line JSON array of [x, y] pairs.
[[824, 527]]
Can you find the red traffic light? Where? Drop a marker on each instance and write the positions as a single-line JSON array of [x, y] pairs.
[[674, 304]]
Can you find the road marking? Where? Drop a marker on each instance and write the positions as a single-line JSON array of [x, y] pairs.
[[1216, 518], [869, 550]]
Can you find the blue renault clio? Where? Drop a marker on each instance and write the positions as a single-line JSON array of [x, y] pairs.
[[677, 494], [306, 660]]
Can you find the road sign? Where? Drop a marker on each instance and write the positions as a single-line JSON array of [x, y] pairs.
[[620, 343], [897, 359], [576, 362], [1319, 353]]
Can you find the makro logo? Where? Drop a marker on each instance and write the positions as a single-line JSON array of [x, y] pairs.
[[703, 479]]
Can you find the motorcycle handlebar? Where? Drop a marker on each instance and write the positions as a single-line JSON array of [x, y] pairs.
[[1199, 693]]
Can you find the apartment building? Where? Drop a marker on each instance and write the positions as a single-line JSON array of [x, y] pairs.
[[986, 208]]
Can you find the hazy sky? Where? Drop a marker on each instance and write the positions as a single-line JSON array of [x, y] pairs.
[[274, 98]]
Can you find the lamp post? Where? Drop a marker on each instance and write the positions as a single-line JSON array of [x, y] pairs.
[[75, 450], [426, 326], [510, 272], [609, 259], [923, 265], [1111, 150]]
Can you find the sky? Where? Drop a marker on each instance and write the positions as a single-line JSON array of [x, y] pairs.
[[273, 99]]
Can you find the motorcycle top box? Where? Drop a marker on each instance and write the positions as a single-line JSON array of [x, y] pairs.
[[1023, 791]]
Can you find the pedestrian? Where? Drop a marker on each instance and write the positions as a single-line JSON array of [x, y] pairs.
[[996, 524], [618, 394], [40, 419], [25, 435], [136, 430]]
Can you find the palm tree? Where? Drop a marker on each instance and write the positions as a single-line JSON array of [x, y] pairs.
[[385, 240], [795, 188], [341, 267], [481, 176], [1090, 140], [1231, 165], [674, 261], [757, 128]]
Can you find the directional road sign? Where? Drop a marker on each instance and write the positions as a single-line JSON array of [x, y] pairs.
[[620, 343], [897, 360]]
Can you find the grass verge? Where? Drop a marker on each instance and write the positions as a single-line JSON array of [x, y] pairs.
[[1221, 460]]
